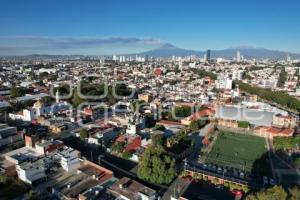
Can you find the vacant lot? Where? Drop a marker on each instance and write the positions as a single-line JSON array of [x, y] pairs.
[[236, 150]]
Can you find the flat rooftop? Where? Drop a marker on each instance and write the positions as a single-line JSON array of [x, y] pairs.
[[253, 116], [32, 97], [22, 154], [130, 188]]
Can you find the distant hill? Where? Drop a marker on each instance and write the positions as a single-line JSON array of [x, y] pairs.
[[168, 50]]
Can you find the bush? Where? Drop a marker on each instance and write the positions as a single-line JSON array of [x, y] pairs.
[[126, 155], [118, 147], [243, 124]]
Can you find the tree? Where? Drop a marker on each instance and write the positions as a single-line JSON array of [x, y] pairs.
[[118, 147], [17, 92], [156, 166], [83, 133], [274, 193], [286, 143], [178, 112], [198, 124], [157, 140], [126, 155], [202, 73], [194, 126], [282, 78], [181, 136], [160, 127], [278, 97], [294, 193]]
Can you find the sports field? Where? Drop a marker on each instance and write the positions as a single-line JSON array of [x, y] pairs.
[[236, 150]]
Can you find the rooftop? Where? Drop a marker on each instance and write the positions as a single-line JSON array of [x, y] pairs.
[[130, 188], [253, 116], [32, 97]]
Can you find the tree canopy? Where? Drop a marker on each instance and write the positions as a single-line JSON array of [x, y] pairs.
[[118, 147], [279, 97], [157, 140], [83, 133], [156, 166], [203, 73], [178, 112], [198, 124], [275, 193], [282, 78], [17, 92], [286, 143]]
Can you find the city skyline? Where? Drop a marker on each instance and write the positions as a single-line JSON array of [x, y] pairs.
[[110, 27]]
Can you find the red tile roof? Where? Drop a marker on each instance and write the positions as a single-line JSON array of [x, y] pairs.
[[134, 145], [200, 114], [274, 131], [281, 131]]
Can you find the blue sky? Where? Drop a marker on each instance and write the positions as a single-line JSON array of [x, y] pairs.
[[128, 26]]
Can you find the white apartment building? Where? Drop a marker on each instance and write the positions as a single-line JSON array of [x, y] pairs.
[[37, 110], [269, 83], [237, 75], [136, 123], [30, 172], [69, 158], [224, 83]]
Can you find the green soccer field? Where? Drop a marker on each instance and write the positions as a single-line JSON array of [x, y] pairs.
[[236, 150]]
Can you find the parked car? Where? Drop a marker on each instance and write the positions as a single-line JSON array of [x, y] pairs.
[[242, 175], [272, 181]]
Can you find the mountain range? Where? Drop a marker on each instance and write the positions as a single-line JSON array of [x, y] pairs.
[[168, 50]]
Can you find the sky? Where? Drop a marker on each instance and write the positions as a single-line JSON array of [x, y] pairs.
[[95, 27]]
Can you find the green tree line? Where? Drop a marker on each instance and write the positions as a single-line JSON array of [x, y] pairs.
[[278, 97]]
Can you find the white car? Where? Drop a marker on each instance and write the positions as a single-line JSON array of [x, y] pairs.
[[272, 181]]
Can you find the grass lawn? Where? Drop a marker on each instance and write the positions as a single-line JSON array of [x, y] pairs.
[[236, 150]]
